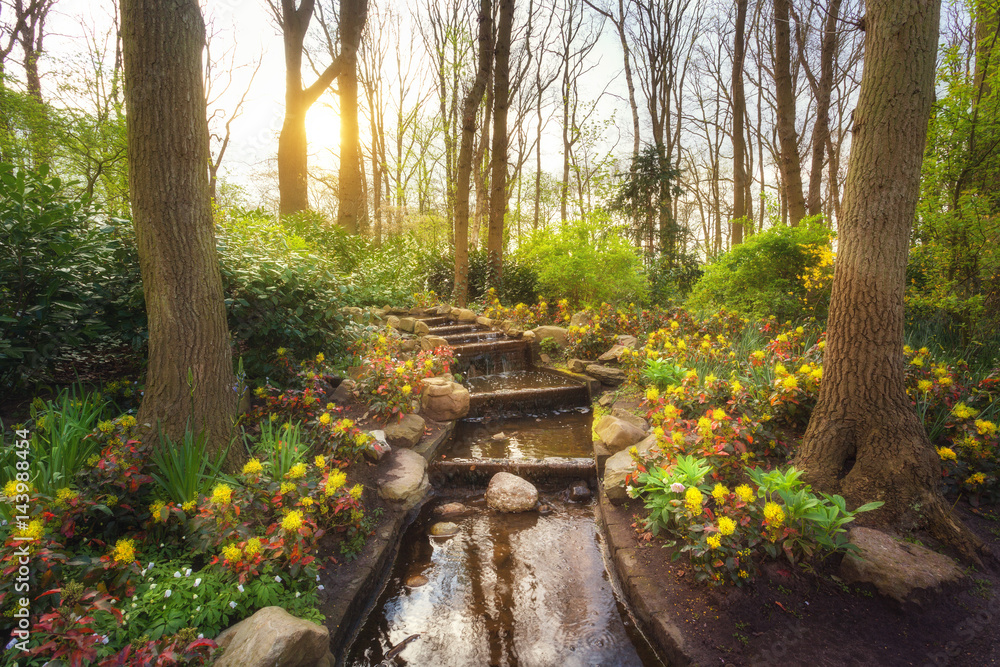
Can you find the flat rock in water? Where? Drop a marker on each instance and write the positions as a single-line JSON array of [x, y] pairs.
[[452, 510], [896, 568], [499, 436], [510, 493], [579, 492], [444, 529], [416, 581], [274, 638]]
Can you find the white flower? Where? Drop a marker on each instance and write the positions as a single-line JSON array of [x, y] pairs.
[[321, 587], [194, 597], [187, 572], [277, 578], [296, 594], [677, 487], [152, 586], [232, 604], [201, 635], [198, 608], [149, 567], [177, 575], [167, 593], [632, 493], [197, 582], [239, 587], [104, 639], [317, 577]]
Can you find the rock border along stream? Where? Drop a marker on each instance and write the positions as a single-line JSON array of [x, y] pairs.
[[409, 478]]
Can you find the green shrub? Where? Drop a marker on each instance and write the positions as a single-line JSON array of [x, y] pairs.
[[586, 262], [519, 283], [783, 271], [53, 262], [278, 292]]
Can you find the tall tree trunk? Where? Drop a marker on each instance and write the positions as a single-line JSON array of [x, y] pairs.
[[739, 111], [352, 213], [821, 129], [864, 439], [498, 176], [464, 166], [189, 381], [791, 169], [482, 168]]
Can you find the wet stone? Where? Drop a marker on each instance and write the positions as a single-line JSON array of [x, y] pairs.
[[579, 492], [444, 529], [452, 510], [416, 581]]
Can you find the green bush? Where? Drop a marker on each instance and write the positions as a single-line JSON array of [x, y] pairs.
[[279, 293], [59, 286], [519, 283], [376, 274], [586, 262], [770, 274]]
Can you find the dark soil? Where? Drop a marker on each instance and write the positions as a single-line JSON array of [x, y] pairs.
[[792, 617]]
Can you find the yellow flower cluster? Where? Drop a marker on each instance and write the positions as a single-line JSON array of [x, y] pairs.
[[774, 514], [356, 491], [105, 426], [253, 547], [292, 521], [925, 385], [984, 427], [222, 494], [231, 553], [325, 419], [297, 471], [336, 480], [714, 541], [35, 530], [744, 493], [64, 495], [253, 467], [963, 411], [946, 453], [726, 525], [693, 499], [124, 552], [977, 478], [155, 509], [720, 493]]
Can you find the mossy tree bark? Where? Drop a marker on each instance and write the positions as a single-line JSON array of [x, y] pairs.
[[864, 439], [189, 381]]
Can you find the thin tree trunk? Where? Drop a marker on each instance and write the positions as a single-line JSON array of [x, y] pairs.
[[864, 439], [189, 381], [791, 169], [821, 129], [352, 213], [464, 166], [498, 176], [739, 110]]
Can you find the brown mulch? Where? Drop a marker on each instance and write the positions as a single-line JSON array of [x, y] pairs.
[[792, 617]]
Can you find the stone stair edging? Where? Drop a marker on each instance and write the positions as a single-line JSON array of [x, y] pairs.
[[346, 607], [652, 610]]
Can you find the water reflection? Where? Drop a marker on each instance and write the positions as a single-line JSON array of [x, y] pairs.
[[507, 590]]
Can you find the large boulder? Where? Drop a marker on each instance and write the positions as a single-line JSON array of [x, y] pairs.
[[897, 569], [510, 493], [609, 376], [484, 321], [631, 418], [621, 464], [617, 433], [420, 328], [392, 321], [405, 478], [428, 343], [614, 355], [580, 319], [407, 432], [464, 315], [558, 334], [443, 400], [406, 324], [578, 365], [274, 638]]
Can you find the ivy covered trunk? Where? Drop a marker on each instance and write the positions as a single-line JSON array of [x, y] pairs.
[[864, 439], [189, 380]]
